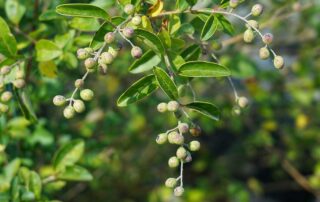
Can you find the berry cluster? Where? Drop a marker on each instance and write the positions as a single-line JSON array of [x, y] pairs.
[[18, 82], [99, 61]]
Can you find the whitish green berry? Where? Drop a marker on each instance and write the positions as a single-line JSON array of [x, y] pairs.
[[6, 96], [162, 138], [162, 107], [89, 50], [86, 94], [278, 62], [106, 58], [3, 108], [128, 32], [173, 162], [173, 106], [68, 112], [233, 3], [129, 9], [195, 131], [257, 10], [19, 74], [136, 52], [78, 83], [183, 127], [178, 191], [243, 102], [194, 145], [109, 37], [181, 153], [59, 100], [236, 110], [267, 38], [90, 63], [79, 106], [248, 36], [253, 23], [19, 83], [114, 50], [264, 53], [175, 138], [103, 69], [82, 54], [5, 70], [136, 20], [171, 182]]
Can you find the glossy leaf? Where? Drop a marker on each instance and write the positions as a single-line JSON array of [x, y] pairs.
[[165, 83], [85, 24], [210, 27], [203, 69], [14, 10], [8, 44], [148, 60], [47, 50], [150, 39], [191, 53], [225, 25], [82, 10], [139, 90], [206, 109], [75, 173]]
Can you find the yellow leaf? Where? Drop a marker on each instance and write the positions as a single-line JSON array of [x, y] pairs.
[[146, 24], [156, 9], [48, 69]]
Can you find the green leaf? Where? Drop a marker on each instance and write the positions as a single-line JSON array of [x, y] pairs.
[[181, 5], [85, 24], [47, 50], [50, 15], [206, 109], [75, 173], [191, 53], [35, 184], [82, 10], [226, 26], [139, 90], [25, 106], [165, 83], [192, 2], [14, 10], [8, 44], [203, 69], [48, 69], [150, 39], [68, 154], [210, 27], [174, 24], [148, 60], [11, 169]]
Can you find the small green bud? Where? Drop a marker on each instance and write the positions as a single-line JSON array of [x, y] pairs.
[[106, 58], [173, 106], [264, 53], [59, 100], [78, 83], [248, 36], [4, 108], [19, 74], [109, 37], [194, 145], [82, 54], [257, 10], [136, 20], [183, 127], [181, 153], [175, 138], [86, 94], [171, 182], [103, 69], [162, 107], [173, 162], [136, 52], [243, 102], [129, 9], [5, 70], [162, 138], [19, 83], [195, 131], [90, 63], [267, 38], [233, 3], [278, 62], [178, 191], [6, 96], [68, 112], [252, 23], [128, 32]]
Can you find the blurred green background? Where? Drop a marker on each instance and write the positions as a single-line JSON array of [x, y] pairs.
[[268, 153]]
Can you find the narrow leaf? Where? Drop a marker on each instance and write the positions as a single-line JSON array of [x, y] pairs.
[[150, 39], [35, 184], [203, 69], [210, 27], [82, 10], [148, 60], [165, 83], [206, 109]]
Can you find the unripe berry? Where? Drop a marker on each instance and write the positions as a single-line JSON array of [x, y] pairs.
[[257, 10], [129, 9], [175, 138], [86, 94], [89, 50], [171, 182], [181, 153], [114, 50], [103, 69], [106, 58], [162, 138], [82, 54], [79, 106], [162, 107], [178, 191], [183, 127], [264, 53], [278, 62], [19, 83], [194, 145], [68, 112], [233, 3], [78, 83], [19, 74], [216, 45], [173, 162], [59, 100], [136, 20], [248, 36], [3, 108], [267, 38], [109, 37], [173, 106], [243, 102], [195, 131], [128, 32], [5, 70], [90, 63], [136, 52], [236, 110], [6, 96], [253, 23]]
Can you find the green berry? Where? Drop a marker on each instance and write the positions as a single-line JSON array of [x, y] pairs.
[[19, 74], [19, 83], [178, 191], [162, 138], [181, 153], [195, 131], [136, 52], [194, 145], [114, 50], [82, 54], [128, 32], [171, 182], [173, 162], [278, 62], [103, 69], [90, 63], [86, 94], [183, 127], [6, 96], [5, 70], [264, 53], [136, 20], [68, 112], [233, 3], [3, 108], [59, 100], [106, 58], [162, 107], [248, 36], [129, 9], [109, 37], [173, 106], [243, 102], [89, 50], [267, 38], [78, 83], [216, 45], [175, 138], [257, 10], [253, 24], [79, 106]]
